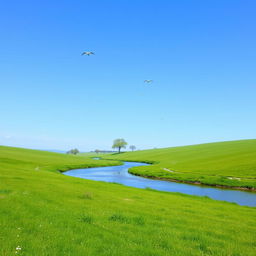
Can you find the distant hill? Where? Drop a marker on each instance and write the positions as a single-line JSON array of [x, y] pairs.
[[54, 150]]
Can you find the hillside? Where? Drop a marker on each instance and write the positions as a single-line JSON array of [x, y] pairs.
[[38, 160], [46, 213], [231, 163]]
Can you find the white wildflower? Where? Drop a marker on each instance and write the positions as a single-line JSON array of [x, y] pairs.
[[18, 249]]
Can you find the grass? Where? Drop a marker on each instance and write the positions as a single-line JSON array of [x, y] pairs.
[[231, 164], [46, 213]]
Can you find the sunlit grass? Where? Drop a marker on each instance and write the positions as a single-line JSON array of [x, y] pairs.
[[225, 163], [43, 212]]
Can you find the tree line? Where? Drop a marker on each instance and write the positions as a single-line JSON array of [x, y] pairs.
[[117, 144]]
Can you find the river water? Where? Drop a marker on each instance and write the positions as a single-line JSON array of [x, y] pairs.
[[119, 174]]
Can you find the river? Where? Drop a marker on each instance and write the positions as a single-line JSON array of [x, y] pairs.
[[120, 174]]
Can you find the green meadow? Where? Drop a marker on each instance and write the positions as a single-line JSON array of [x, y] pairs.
[[45, 213], [231, 163]]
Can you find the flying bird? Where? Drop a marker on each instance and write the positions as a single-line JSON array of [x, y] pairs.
[[88, 53], [148, 81]]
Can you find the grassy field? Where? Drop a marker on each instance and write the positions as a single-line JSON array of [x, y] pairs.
[[43, 212], [230, 163]]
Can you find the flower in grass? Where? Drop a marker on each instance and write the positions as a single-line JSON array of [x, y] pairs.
[[18, 249]]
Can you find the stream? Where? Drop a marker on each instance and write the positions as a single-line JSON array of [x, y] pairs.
[[120, 174]]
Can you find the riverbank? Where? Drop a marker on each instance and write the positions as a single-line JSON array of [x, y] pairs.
[[193, 182]]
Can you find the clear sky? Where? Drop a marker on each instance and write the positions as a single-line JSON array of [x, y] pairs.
[[200, 54]]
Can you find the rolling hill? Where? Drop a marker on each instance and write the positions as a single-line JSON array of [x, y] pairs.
[[231, 163]]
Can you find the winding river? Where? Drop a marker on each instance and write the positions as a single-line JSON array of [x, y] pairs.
[[120, 174]]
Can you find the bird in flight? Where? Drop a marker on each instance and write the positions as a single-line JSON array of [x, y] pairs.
[[148, 81], [88, 53]]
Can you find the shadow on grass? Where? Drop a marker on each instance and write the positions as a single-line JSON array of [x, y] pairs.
[[86, 218], [87, 196], [120, 218]]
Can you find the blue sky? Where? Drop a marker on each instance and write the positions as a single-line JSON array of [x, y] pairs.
[[200, 54]]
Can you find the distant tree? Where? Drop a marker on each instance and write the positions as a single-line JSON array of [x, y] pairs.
[[73, 151], [132, 147], [119, 143], [97, 151]]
